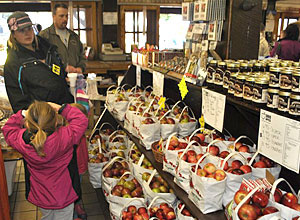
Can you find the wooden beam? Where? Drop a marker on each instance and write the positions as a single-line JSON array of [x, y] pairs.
[[4, 202]]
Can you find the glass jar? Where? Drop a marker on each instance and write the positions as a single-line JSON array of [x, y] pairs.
[[294, 105], [274, 77], [258, 67], [231, 83], [211, 69], [248, 89], [296, 81], [245, 68], [260, 90], [272, 98], [218, 81], [270, 65], [283, 101], [231, 68], [238, 86], [285, 79]]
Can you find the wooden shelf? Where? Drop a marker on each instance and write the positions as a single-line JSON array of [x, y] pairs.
[[180, 193], [102, 67]]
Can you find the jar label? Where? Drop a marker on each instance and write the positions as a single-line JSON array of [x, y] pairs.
[[226, 79], [285, 81], [219, 77], [247, 93], [295, 84], [283, 104], [260, 95], [272, 100], [294, 107], [274, 80], [210, 74], [238, 90]]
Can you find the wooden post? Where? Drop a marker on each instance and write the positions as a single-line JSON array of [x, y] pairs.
[[4, 202]]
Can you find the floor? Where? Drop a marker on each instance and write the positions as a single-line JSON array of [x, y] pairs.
[[93, 200]]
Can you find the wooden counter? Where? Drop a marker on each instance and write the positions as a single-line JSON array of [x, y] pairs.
[[101, 67]]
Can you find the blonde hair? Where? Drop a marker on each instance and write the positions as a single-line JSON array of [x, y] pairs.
[[41, 121], [12, 42]]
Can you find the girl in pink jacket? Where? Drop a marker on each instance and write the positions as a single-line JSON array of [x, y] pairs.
[[48, 149]]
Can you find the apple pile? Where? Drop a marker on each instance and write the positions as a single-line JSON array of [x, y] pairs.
[[184, 211], [210, 171], [163, 212], [185, 118], [134, 213], [157, 184], [254, 207], [175, 144], [128, 189], [121, 147], [107, 131], [167, 120], [264, 162], [148, 120], [100, 158], [190, 156], [121, 97], [199, 137], [116, 170], [161, 112], [288, 199], [119, 153], [237, 167]]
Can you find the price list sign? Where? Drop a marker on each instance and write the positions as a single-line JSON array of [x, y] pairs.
[[279, 139], [213, 108], [158, 83]]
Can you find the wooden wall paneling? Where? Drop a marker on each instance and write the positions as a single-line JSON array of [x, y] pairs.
[[244, 36], [122, 27], [151, 27], [94, 43], [157, 25], [4, 202], [275, 30], [99, 27]]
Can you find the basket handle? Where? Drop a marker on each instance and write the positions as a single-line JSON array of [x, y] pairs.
[[130, 150], [112, 161], [99, 145], [164, 115], [243, 137], [275, 186], [169, 139], [253, 158], [141, 160], [246, 198], [151, 177], [194, 132], [123, 86], [177, 103], [186, 107], [231, 155], [154, 199], [199, 161]]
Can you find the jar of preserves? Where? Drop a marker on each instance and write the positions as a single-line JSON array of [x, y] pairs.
[[296, 64], [274, 77], [231, 68], [245, 68], [283, 101], [294, 105], [248, 89], [270, 65], [231, 83], [258, 67], [218, 81], [296, 81], [272, 98], [239, 85], [211, 69], [260, 90], [285, 79]]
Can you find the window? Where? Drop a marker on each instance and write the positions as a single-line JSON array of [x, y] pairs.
[[283, 24]]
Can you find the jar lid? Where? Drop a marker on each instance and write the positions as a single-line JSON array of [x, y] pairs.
[[213, 62], [262, 81], [250, 79], [258, 64], [284, 93], [233, 74], [221, 63], [233, 65], [295, 96], [287, 71], [273, 90], [296, 73], [240, 76], [245, 64], [296, 64], [275, 69], [272, 64]]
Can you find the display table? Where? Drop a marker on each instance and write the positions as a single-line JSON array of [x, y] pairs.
[[102, 67]]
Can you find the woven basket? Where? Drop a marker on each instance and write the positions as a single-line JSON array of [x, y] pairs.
[[159, 156]]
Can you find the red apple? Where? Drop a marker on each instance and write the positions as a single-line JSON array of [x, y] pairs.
[[247, 212], [213, 150], [277, 195], [244, 148], [171, 215], [240, 195], [236, 164], [201, 172], [269, 210], [231, 139], [296, 206], [224, 154], [145, 216], [246, 168], [198, 157], [192, 159], [237, 145], [257, 209], [225, 166], [201, 136], [260, 199], [259, 164], [131, 209], [186, 212], [289, 199], [237, 172], [220, 175], [137, 217], [209, 168], [174, 141]]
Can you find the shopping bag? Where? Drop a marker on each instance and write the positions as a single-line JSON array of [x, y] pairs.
[[138, 170], [110, 97], [149, 133], [188, 125], [166, 129], [179, 209]]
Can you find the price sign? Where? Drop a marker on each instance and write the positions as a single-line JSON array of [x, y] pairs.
[[158, 83], [183, 88], [138, 75], [213, 108], [161, 103], [279, 139]]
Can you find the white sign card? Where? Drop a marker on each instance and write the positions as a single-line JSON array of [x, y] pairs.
[[110, 18], [213, 108], [138, 75], [279, 139], [158, 83]]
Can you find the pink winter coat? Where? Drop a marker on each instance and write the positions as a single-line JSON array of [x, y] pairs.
[[50, 182], [82, 156]]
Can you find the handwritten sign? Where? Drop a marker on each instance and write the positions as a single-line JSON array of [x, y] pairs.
[[279, 139], [158, 83], [138, 75], [213, 108], [183, 88]]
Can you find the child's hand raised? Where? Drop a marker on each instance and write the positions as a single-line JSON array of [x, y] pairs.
[[55, 106]]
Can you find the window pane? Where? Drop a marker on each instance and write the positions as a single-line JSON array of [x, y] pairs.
[[142, 40], [128, 42], [141, 21], [81, 17], [128, 21], [83, 37], [172, 31]]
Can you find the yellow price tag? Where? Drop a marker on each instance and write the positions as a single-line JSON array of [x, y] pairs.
[[56, 69], [201, 121], [161, 103], [183, 88]]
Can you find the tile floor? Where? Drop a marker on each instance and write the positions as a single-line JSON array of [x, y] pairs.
[[93, 200]]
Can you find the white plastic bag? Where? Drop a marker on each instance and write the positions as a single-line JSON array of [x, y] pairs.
[[185, 129], [167, 129], [149, 133]]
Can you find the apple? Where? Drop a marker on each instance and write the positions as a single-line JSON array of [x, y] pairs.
[[170, 121], [174, 141], [198, 157], [182, 145], [195, 138], [236, 164], [145, 216], [130, 185], [131, 209], [224, 154], [213, 150], [257, 209], [225, 166], [277, 195], [171, 215], [137, 217], [237, 145], [132, 108], [192, 159], [163, 121], [260, 199], [201, 172], [125, 191], [220, 175], [247, 212], [246, 168], [244, 148], [240, 195], [231, 139], [148, 121], [289, 199], [186, 212], [201, 136], [159, 214], [209, 168], [269, 210], [237, 172], [259, 164]]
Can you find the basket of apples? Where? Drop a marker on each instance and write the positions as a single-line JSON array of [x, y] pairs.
[[174, 145], [202, 135], [161, 209], [186, 159], [125, 190], [158, 150], [106, 132], [134, 210], [112, 172], [236, 167], [208, 184], [110, 97], [261, 164], [167, 125], [182, 212], [246, 150], [154, 185], [254, 204], [187, 124], [120, 105], [129, 114], [141, 166], [286, 202]]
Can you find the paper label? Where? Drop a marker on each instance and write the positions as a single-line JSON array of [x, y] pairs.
[[279, 139], [158, 83], [183, 88], [213, 108], [138, 75], [161, 103]]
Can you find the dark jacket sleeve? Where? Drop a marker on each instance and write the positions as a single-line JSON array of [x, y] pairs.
[[17, 98], [274, 50]]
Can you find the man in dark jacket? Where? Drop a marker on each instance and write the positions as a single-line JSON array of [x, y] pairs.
[[68, 43]]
